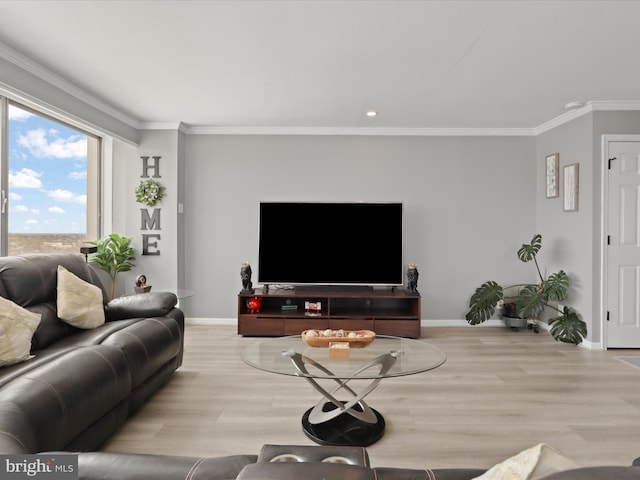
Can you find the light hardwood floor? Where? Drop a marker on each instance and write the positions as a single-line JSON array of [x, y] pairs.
[[498, 393]]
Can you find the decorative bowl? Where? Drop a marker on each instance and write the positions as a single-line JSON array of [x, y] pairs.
[[321, 338]]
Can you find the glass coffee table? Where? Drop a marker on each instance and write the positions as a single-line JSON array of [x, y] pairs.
[[350, 421]]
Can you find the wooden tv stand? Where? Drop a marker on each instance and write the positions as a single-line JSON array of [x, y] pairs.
[[388, 311]]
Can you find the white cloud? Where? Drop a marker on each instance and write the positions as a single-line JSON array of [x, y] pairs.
[[20, 209], [56, 210], [38, 143], [16, 197], [31, 221], [78, 175], [68, 197], [25, 178], [35, 211], [18, 114]]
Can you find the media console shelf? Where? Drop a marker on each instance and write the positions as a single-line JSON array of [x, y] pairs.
[[282, 312]]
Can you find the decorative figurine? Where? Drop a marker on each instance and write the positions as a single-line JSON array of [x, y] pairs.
[[141, 284], [245, 276], [412, 279], [254, 304]]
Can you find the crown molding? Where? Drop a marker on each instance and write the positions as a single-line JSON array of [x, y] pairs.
[[591, 106], [361, 131], [615, 105], [180, 126], [25, 63], [562, 119]]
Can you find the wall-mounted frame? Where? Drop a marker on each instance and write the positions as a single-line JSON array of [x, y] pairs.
[[570, 178], [551, 172]]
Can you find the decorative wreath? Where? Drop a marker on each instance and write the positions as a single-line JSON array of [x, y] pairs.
[[149, 193]]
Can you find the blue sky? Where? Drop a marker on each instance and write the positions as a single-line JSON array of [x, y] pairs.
[[47, 175]]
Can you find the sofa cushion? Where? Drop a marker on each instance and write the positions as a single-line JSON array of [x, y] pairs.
[[32, 279], [598, 473], [79, 303], [51, 328], [17, 326], [65, 396], [148, 344], [306, 471], [398, 473]]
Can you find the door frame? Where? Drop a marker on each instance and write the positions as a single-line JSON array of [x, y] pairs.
[[604, 221]]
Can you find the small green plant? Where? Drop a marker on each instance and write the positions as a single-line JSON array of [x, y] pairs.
[[114, 255], [532, 299]]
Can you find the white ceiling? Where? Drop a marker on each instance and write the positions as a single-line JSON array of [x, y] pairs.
[[420, 64]]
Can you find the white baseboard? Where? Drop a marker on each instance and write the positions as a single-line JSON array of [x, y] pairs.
[[210, 321], [459, 323], [423, 323]]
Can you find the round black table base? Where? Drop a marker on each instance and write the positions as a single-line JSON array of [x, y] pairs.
[[344, 429]]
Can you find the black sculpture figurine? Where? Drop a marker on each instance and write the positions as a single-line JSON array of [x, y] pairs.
[[412, 279], [245, 276]]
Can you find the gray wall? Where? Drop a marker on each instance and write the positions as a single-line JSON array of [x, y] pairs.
[[571, 240], [469, 203], [566, 236]]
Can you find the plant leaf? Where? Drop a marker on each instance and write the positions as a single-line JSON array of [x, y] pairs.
[[531, 301], [483, 302], [556, 286], [528, 252], [568, 327]]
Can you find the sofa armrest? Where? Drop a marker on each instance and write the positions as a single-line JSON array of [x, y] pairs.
[[142, 305], [139, 466]]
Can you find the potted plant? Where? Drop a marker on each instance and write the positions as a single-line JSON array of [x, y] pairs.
[[114, 255], [531, 299]]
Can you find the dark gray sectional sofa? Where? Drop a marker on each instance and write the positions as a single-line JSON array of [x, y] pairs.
[[81, 385], [294, 462]]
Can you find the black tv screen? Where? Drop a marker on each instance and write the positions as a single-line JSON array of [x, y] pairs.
[[330, 244]]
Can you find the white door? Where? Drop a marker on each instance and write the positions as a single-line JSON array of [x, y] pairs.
[[623, 245]]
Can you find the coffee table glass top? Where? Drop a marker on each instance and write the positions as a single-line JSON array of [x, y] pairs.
[[410, 356]]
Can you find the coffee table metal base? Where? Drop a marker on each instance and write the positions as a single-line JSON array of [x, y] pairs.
[[345, 429]]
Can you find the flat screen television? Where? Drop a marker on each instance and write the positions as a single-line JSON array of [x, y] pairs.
[[330, 244]]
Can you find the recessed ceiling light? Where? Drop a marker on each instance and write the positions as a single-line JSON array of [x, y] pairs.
[[574, 105], [372, 113]]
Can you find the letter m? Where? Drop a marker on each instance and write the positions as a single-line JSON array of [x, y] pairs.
[[149, 223]]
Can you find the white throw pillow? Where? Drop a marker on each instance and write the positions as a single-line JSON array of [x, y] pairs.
[[79, 303], [17, 326], [531, 464]]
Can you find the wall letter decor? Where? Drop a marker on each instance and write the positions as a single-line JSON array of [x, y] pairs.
[[146, 167], [150, 223], [150, 193]]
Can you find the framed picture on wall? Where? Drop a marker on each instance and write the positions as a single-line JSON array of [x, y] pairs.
[[551, 167], [571, 188]]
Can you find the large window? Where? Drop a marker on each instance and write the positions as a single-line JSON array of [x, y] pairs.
[[50, 185]]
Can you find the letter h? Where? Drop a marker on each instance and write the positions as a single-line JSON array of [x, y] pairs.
[[146, 167]]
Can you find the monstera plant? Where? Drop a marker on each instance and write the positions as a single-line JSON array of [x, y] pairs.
[[532, 299], [114, 255]]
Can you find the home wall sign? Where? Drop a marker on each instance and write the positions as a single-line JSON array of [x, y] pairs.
[[149, 192]]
